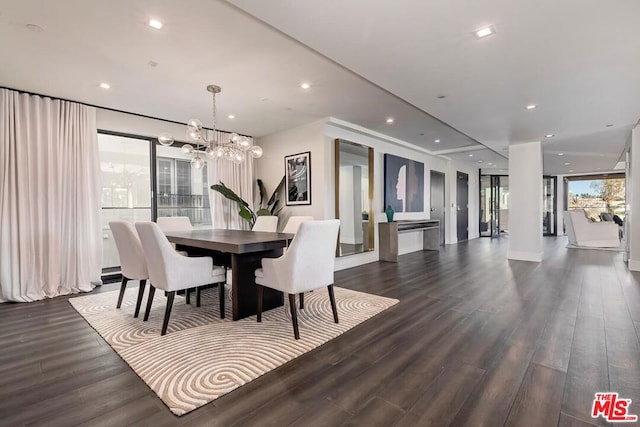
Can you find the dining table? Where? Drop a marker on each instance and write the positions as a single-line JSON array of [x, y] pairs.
[[242, 252]]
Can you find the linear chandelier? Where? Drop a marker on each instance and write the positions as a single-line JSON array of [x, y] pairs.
[[234, 149]]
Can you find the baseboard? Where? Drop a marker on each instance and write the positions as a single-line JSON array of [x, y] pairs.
[[634, 265], [525, 256]]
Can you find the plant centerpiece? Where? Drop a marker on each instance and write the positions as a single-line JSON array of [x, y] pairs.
[[266, 206]]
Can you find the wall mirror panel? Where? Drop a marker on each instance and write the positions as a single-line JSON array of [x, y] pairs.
[[354, 197]]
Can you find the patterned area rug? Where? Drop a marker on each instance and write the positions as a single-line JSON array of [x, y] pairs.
[[203, 357]]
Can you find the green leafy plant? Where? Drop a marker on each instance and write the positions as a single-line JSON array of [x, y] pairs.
[[266, 206]]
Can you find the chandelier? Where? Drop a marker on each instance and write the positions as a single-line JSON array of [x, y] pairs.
[[234, 149]]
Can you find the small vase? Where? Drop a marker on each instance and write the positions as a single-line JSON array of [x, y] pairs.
[[389, 213]]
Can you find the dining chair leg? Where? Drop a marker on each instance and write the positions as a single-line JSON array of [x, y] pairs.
[[143, 283], [294, 316], [187, 295], [152, 291], [221, 299], [167, 312], [198, 296], [333, 303], [122, 288], [260, 289]]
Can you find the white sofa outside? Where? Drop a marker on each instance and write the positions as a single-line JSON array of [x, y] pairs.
[[584, 232]]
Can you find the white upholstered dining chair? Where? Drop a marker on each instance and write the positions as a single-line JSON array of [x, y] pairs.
[[171, 272], [178, 223], [294, 223], [132, 261], [307, 265], [174, 223], [266, 223]]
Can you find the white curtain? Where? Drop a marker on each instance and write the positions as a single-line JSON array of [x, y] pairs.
[[239, 178], [50, 233]]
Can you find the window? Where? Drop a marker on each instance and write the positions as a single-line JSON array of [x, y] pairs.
[[182, 190], [597, 194]]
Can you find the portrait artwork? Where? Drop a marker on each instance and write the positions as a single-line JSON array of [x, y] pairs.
[[298, 179], [403, 184]]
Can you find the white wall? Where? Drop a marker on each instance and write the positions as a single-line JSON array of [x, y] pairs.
[[525, 190], [116, 121], [270, 167], [633, 204]]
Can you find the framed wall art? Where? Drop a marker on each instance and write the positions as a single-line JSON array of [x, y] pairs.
[[403, 184], [298, 179]]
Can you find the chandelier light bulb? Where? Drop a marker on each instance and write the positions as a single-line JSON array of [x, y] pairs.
[[255, 151], [197, 162], [195, 124], [193, 134], [244, 143], [165, 139], [187, 149], [234, 137]]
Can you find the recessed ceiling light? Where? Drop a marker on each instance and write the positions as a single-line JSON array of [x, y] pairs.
[[484, 32], [470, 155], [305, 85], [567, 163], [532, 106], [479, 161], [599, 169], [104, 85], [231, 116], [489, 163], [560, 154], [437, 141], [390, 120], [570, 170], [264, 99], [154, 23], [550, 135], [152, 64]]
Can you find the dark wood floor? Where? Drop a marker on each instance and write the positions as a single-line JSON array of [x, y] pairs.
[[475, 340]]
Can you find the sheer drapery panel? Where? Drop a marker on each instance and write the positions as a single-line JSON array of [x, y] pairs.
[[50, 231], [239, 178]]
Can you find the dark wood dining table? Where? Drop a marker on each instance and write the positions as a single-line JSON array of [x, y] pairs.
[[241, 251]]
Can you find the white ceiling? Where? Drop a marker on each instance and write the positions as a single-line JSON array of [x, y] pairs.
[[577, 59]]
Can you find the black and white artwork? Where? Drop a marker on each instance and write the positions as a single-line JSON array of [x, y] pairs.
[[403, 184], [298, 179]]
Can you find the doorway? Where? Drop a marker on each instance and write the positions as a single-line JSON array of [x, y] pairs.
[[462, 206], [494, 205], [437, 201]]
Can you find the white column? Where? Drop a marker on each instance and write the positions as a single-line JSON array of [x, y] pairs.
[[633, 204], [525, 202]]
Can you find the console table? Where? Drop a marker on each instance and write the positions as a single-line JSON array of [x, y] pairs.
[[388, 236]]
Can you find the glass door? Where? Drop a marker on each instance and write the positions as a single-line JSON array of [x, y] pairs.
[[486, 212], [126, 187], [494, 205], [549, 206], [502, 191]]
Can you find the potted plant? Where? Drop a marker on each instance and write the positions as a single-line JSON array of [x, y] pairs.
[[265, 206]]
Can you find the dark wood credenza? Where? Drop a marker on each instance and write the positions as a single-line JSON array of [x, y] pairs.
[[388, 236]]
